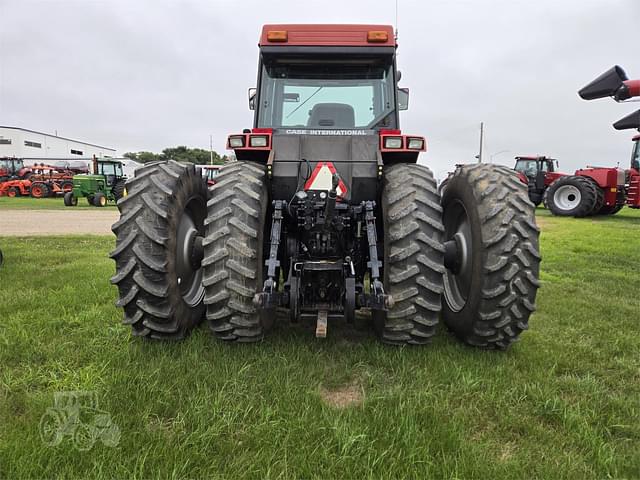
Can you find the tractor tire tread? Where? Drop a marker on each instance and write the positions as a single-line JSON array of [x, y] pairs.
[[147, 292], [234, 233], [413, 265], [511, 259]]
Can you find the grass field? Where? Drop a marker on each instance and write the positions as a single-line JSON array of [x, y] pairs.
[[28, 203], [563, 403]]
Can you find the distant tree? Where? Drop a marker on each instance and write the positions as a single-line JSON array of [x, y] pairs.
[[181, 153], [143, 157]]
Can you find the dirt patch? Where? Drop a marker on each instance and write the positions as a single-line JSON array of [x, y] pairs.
[[507, 451], [344, 396], [542, 222], [53, 222]]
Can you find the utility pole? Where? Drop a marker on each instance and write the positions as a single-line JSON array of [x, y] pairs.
[[211, 148], [481, 141]]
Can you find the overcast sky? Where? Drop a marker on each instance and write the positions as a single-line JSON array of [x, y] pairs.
[[145, 75]]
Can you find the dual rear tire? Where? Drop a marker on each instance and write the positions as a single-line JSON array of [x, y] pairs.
[[491, 254], [483, 229], [574, 196], [159, 280]]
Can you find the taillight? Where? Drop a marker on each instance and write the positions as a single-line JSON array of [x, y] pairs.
[[258, 141], [392, 142], [236, 141], [415, 143]]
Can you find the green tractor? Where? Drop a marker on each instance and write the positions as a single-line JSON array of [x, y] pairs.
[[106, 183]]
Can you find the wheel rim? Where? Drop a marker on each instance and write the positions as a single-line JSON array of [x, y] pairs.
[[458, 240], [37, 191], [103, 201], [189, 253], [567, 197], [50, 429], [11, 193]]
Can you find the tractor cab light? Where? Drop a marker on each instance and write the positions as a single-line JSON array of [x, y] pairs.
[[277, 36], [236, 141], [392, 142], [258, 141], [415, 143], [377, 36]]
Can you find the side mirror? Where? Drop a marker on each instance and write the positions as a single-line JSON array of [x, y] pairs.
[[403, 98], [252, 98]]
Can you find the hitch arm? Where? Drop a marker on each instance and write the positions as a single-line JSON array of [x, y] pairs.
[[378, 300], [269, 297]]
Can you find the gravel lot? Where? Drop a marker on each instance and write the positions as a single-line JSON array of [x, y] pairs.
[[53, 222]]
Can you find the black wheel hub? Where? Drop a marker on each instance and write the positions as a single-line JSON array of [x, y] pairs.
[[189, 254], [458, 256]]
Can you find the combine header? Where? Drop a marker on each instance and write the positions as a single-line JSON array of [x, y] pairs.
[[326, 212], [614, 83]]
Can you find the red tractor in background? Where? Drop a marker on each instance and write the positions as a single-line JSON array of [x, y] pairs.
[[210, 172], [589, 191], [11, 168], [37, 181]]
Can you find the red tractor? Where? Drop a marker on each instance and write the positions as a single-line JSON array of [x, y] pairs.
[[47, 181], [12, 168], [589, 191], [38, 181], [327, 212], [210, 172]]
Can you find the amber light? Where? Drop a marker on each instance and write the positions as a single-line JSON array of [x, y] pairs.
[[277, 36], [377, 36]]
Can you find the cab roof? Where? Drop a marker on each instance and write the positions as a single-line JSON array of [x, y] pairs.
[[533, 157], [327, 35]]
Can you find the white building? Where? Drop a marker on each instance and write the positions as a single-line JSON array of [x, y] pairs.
[[29, 144]]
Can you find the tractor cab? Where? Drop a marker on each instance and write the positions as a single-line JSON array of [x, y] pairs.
[[532, 166], [11, 167], [111, 170], [210, 172], [341, 88], [537, 172], [535, 169], [327, 93]]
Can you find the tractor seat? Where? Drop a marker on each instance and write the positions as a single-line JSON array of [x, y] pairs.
[[339, 115]]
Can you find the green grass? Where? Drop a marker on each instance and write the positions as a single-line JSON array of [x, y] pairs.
[[562, 403], [57, 203]]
